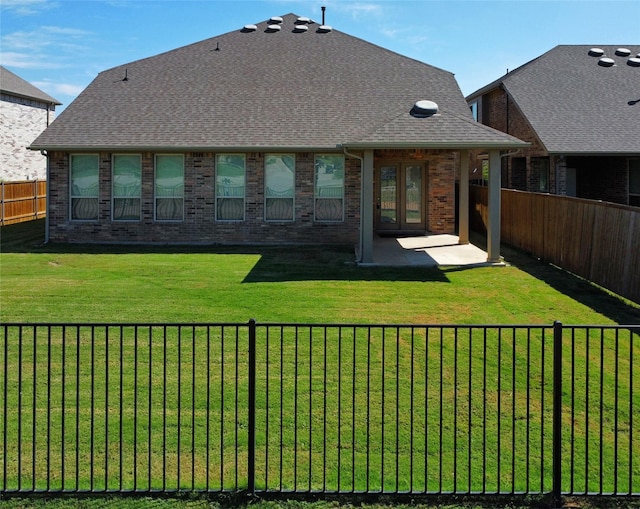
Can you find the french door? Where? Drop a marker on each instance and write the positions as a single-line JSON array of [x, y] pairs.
[[400, 197]]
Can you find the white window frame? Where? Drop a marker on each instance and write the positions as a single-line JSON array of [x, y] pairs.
[[114, 197], [73, 197], [220, 196], [292, 198], [316, 197], [155, 190]]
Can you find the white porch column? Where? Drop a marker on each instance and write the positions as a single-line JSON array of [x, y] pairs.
[[366, 209], [493, 205], [463, 199]]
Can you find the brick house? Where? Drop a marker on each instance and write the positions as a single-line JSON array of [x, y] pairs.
[[287, 131], [579, 107], [25, 111]]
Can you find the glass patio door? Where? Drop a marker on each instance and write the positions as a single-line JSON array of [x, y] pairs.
[[400, 197]]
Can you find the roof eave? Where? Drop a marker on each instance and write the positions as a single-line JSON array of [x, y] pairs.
[[453, 145], [166, 148]]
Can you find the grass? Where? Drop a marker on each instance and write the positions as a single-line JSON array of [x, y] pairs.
[[72, 283]]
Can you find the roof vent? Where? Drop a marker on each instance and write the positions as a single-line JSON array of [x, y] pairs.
[[249, 28], [302, 20], [596, 52], [275, 19], [274, 28], [623, 52], [424, 109], [300, 28], [325, 28], [606, 62], [634, 62]]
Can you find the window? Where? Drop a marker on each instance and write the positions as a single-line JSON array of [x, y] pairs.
[[127, 187], [634, 182], [279, 182], [329, 188], [85, 170], [230, 187], [474, 110], [540, 169], [169, 189]]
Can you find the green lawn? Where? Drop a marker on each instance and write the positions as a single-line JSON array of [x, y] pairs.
[[116, 284], [49, 283]]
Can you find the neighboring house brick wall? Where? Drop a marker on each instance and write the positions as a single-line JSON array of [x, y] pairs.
[[602, 178], [199, 225], [21, 121]]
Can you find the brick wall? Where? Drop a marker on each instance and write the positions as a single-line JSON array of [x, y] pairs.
[[200, 226], [21, 122]]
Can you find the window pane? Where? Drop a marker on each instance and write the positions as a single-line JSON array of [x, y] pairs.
[[169, 187], [279, 178], [85, 170], [230, 175], [84, 175], [279, 187], [329, 187], [230, 187], [413, 199], [126, 209], [169, 176], [127, 176], [127, 187]]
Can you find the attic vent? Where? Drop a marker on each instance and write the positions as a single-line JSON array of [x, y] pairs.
[[596, 52], [634, 62], [274, 28], [249, 28], [275, 19], [323, 29], [623, 52], [303, 20], [300, 28], [606, 62], [424, 109]]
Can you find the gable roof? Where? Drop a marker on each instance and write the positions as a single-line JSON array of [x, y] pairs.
[[266, 88], [575, 105], [12, 84]]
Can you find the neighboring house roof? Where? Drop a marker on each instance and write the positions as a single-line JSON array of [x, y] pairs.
[[575, 105], [269, 89], [12, 84]]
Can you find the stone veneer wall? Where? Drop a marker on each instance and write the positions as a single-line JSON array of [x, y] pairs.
[[21, 122], [200, 226]]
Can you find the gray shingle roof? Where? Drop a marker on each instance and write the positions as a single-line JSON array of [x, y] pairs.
[[286, 89], [576, 106], [12, 84]]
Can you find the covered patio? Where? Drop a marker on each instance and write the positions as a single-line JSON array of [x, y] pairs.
[[426, 251]]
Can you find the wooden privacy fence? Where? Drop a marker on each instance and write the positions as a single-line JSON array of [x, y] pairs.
[[23, 201], [595, 240]]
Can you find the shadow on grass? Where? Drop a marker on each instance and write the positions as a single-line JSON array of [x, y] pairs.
[[600, 300]]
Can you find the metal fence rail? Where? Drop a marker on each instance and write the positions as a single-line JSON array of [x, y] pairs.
[[352, 409]]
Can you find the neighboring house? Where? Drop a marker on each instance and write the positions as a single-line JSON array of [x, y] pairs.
[[579, 106], [282, 132], [25, 111]]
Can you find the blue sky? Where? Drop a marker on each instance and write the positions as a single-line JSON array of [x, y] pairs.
[[61, 45]]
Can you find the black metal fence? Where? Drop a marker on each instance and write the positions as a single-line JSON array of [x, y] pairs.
[[352, 409]]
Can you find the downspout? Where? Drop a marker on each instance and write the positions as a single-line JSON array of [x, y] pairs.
[[361, 159], [46, 217]]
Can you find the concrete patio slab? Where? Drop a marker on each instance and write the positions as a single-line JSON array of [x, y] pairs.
[[426, 251]]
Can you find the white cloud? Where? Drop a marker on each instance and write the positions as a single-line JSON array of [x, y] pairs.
[[55, 89], [28, 61], [26, 7], [48, 47]]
